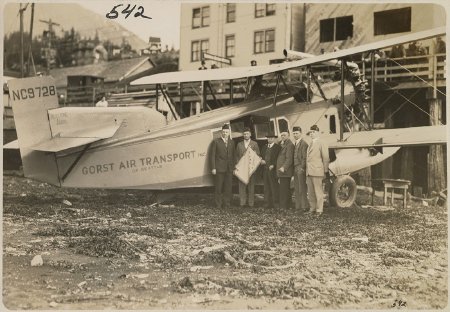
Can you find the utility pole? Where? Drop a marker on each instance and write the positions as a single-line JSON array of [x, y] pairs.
[[49, 45], [30, 54], [21, 10]]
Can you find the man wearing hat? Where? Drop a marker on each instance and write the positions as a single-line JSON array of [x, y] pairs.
[[317, 161], [222, 166], [300, 150], [246, 192], [285, 169], [270, 155]]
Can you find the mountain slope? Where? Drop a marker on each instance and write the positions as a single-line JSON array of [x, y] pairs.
[[69, 15]]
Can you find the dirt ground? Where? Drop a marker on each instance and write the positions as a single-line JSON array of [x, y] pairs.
[[116, 249]]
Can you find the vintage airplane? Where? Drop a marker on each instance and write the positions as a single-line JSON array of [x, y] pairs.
[[136, 148]]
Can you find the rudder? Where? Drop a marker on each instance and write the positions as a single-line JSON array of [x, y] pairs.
[[31, 98]]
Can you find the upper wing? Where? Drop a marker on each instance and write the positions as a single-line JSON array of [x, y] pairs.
[[251, 71], [392, 137]]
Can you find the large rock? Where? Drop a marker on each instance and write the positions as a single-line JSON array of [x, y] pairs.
[[37, 261]]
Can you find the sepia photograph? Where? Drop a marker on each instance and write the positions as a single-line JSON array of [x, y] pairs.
[[175, 155]]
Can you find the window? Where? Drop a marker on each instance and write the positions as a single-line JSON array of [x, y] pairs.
[[264, 9], [204, 46], [327, 30], [263, 129], [283, 125], [392, 21], [333, 124], [229, 46], [264, 41], [197, 49], [231, 12], [200, 17], [237, 127], [270, 40], [339, 28], [205, 16], [270, 9], [344, 27], [260, 9], [258, 42]]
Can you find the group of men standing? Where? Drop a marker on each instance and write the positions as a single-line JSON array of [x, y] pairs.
[[306, 163]]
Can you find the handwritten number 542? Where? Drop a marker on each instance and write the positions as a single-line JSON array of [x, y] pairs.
[[127, 11]]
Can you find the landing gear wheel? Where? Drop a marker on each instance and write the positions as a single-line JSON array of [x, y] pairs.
[[343, 192]]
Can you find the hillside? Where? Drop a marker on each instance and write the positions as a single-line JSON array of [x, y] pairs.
[[69, 15]]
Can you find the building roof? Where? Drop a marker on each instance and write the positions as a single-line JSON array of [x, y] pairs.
[[113, 71], [154, 39]]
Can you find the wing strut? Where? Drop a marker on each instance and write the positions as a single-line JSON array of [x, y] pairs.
[[231, 91], [285, 85], [76, 161], [169, 103], [175, 114], [218, 104], [341, 107], [372, 88], [313, 76], [308, 83], [276, 90]]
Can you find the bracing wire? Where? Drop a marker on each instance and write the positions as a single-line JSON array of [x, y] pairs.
[[423, 80]]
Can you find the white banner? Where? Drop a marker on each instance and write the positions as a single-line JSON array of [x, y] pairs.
[[247, 165]]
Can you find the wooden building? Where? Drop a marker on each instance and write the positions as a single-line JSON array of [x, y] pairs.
[[410, 89], [83, 85], [345, 25], [83, 90]]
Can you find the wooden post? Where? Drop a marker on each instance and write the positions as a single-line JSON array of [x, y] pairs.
[[180, 104], [388, 164], [231, 91], [436, 166], [308, 83], [203, 88], [407, 163], [21, 40], [372, 89], [276, 91], [157, 96], [341, 107]]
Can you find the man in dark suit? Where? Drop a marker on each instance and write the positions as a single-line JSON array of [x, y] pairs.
[[285, 169], [246, 192], [317, 161], [222, 164], [270, 155], [300, 151]]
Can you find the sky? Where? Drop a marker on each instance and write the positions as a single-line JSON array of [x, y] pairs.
[[165, 22]]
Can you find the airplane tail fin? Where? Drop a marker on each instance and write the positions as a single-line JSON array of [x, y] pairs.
[[31, 98]]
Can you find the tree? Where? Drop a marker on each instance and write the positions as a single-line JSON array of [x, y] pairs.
[[11, 50]]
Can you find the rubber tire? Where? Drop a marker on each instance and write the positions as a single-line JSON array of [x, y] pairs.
[[337, 184]]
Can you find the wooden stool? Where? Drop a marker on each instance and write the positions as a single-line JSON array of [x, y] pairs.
[[395, 184]]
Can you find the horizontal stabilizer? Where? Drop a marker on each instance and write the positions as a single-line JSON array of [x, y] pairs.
[[12, 145], [70, 140]]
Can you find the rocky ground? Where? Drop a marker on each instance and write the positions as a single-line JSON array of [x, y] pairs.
[[118, 249]]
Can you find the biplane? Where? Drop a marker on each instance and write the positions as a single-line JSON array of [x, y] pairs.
[[137, 148]]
